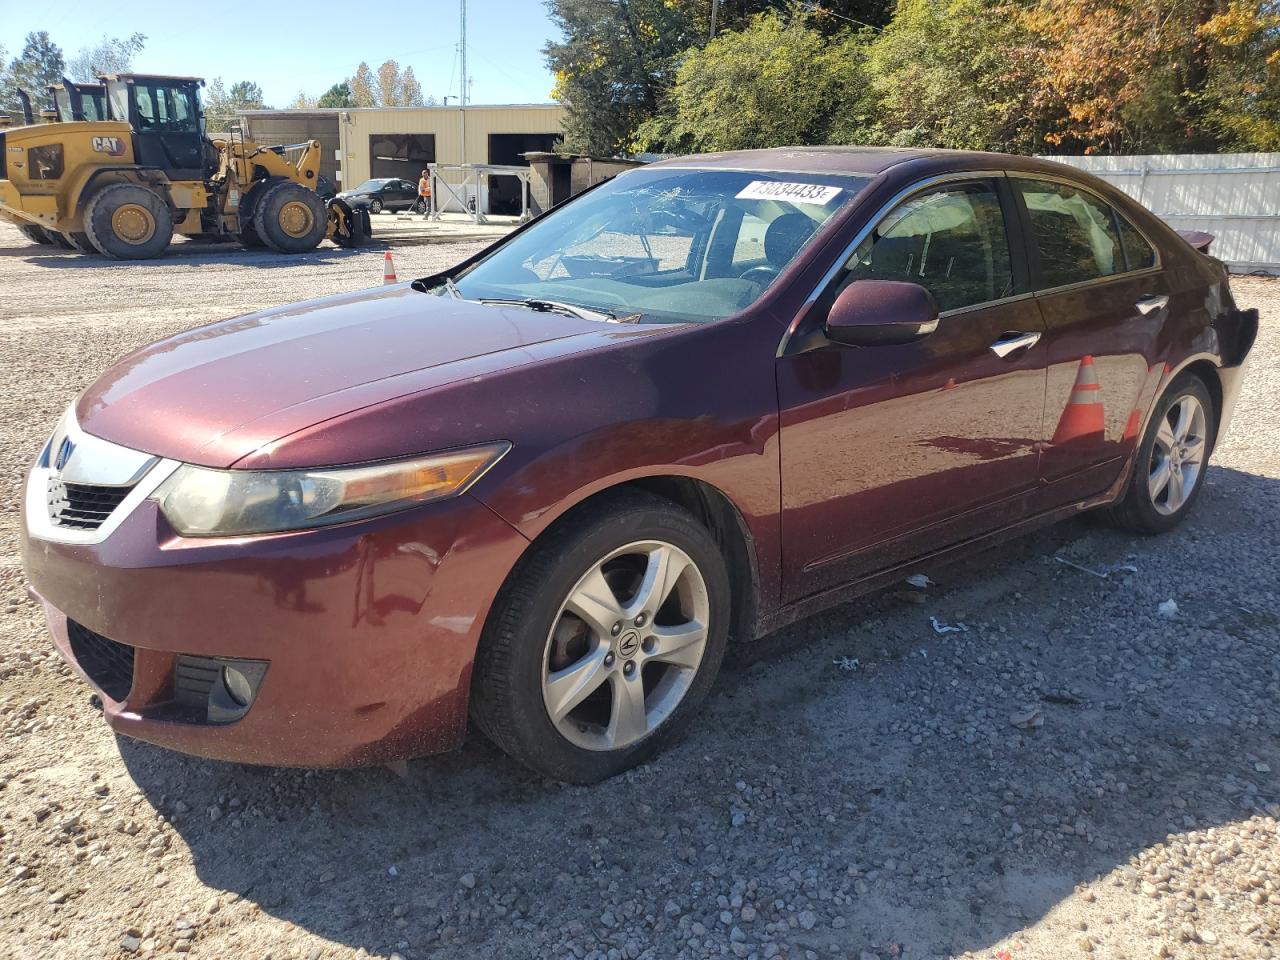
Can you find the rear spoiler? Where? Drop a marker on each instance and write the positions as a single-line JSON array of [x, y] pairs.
[[1198, 239]]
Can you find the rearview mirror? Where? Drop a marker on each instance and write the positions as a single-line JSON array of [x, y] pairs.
[[870, 313]]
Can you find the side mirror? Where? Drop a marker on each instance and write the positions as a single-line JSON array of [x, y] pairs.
[[871, 313]]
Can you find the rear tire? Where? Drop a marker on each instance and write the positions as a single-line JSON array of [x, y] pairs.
[[1170, 463], [81, 242], [634, 682], [34, 233], [289, 218], [56, 238], [128, 221]]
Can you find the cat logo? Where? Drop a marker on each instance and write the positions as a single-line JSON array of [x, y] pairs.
[[111, 146]]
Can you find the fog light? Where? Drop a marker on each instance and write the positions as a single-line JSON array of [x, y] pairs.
[[238, 686]]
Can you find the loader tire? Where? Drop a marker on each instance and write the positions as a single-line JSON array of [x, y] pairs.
[[290, 218], [33, 233], [81, 242], [249, 237], [57, 239], [127, 221]]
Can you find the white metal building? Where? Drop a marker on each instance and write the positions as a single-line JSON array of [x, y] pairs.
[[402, 141]]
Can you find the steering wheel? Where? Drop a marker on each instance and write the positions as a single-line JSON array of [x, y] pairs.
[[760, 274]]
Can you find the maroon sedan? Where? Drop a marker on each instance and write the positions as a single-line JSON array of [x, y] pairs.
[[545, 490]]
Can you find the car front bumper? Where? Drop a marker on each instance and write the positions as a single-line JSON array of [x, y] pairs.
[[367, 630]]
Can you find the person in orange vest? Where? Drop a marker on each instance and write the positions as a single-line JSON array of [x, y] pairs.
[[424, 193]]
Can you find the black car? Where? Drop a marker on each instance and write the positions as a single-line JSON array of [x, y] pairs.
[[389, 193]]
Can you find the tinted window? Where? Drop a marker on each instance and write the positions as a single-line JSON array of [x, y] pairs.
[[1073, 232], [1137, 252], [951, 241]]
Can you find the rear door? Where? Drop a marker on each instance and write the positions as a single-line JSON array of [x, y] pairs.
[[891, 452], [1104, 300]]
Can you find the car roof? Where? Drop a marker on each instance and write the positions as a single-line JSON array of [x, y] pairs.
[[864, 161]]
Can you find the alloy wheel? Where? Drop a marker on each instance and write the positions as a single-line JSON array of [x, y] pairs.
[[1177, 456], [626, 645]]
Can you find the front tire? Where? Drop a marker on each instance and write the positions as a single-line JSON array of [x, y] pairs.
[[1170, 463], [605, 641], [375, 205], [290, 218], [34, 233]]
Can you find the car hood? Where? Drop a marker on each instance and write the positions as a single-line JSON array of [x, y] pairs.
[[215, 394]]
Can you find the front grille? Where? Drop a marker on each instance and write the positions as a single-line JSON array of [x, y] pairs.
[[107, 663], [83, 506]]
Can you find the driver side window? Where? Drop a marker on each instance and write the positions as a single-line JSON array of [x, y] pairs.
[[950, 240]]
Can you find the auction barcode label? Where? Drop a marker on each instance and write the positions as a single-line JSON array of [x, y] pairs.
[[788, 192]]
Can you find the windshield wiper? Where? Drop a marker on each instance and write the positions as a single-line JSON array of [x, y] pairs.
[[452, 288], [551, 306]]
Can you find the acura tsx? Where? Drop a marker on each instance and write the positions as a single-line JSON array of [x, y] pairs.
[[545, 489]]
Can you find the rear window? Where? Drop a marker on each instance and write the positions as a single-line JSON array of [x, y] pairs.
[[1138, 254], [1073, 231]]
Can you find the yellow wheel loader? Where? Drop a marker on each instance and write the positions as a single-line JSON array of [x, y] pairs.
[[123, 186]]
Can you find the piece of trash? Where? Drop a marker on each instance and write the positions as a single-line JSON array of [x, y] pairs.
[[1123, 568], [1100, 574], [1168, 609], [1065, 699], [948, 627], [847, 663], [919, 580], [1028, 720]]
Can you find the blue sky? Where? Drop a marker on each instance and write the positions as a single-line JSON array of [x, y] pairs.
[[309, 46]]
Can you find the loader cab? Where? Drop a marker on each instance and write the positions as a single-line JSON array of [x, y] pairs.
[[168, 127], [79, 101]]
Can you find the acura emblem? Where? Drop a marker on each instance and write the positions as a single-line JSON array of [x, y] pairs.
[[65, 449]]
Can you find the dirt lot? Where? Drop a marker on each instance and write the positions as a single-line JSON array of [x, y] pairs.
[[890, 809]]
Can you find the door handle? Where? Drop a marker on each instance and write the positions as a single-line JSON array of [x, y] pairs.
[[1150, 304], [1013, 342]]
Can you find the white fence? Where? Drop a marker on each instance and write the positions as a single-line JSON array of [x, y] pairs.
[[1234, 196]]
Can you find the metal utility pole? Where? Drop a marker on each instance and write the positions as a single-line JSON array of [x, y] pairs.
[[715, 6], [463, 45]]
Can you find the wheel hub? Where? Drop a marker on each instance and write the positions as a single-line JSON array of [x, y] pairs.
[[628, 644], [296, 218], [132, 223]]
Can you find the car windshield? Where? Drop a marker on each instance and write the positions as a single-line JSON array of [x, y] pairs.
[[662, 245], [371, 185]]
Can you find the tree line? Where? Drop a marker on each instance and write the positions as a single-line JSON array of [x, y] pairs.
[[1021, 76]]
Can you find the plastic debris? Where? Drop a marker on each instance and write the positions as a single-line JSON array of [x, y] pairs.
[[1100, 574], [920, 581], [1028, 719], [847, 663], [948, 627], [1168, 610]]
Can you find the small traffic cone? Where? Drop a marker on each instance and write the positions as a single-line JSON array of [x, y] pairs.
[[388, 269], [1083, 420], [1134, 424]]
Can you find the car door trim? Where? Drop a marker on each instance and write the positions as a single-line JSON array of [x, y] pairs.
[[850, 248]]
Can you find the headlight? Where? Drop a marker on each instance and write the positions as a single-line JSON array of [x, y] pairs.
[[200, 502]]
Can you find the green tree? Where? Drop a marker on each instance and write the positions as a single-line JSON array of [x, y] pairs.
[[339, 95], [39, 65], [616, 61], [110, 55], [956, 73], [773, 83], [221, 105]]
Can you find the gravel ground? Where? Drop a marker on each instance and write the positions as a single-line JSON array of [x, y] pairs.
[[1072, 775]]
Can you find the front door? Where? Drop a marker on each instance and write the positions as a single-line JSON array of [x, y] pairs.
[[891, 452]]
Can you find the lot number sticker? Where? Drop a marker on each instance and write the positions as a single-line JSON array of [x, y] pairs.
[[788, 192]]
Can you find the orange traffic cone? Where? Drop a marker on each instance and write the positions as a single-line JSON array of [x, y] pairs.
[[1084, 420], [1134, 423], [388, 269]]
